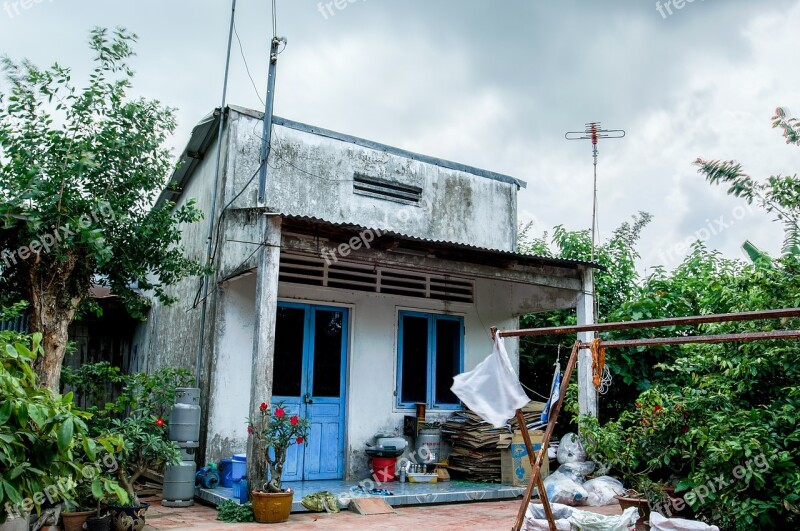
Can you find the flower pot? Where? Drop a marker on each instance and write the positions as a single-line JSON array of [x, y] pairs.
[[98, 523], [74, 521], [272, 508], [644, 510], [129, 518]]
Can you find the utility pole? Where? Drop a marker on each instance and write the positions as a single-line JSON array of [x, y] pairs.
[[594, 132], [266, 295], [212, 217]]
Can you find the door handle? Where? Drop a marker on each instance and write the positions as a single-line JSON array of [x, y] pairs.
[[307, 399]]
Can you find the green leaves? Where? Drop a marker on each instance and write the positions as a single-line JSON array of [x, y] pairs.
[[65, 432]]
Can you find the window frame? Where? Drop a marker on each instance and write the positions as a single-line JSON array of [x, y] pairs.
[[430, 391]]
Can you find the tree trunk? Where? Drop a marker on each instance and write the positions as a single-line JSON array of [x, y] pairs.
[[52, 311]]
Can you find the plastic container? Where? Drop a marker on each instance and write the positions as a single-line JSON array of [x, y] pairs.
[[383, 468], [423, 477], [226, 473], [429, 443], [239, 466]]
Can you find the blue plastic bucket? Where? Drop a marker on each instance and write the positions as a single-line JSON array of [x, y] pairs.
[[239, 466], [226, 473]]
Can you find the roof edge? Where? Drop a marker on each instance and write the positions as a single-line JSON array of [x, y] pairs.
[[377, 146]]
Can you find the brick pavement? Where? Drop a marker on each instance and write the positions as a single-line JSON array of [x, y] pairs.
[[487, 516]]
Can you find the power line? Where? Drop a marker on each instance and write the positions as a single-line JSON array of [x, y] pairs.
[[246, 67]]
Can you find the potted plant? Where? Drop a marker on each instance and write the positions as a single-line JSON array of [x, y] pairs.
[[145, 446], [86, 506], [41, 434], [136, 417], [645, 445], [273, 432]]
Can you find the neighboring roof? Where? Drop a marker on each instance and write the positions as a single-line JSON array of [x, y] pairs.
[[442, 249], [205, 132]]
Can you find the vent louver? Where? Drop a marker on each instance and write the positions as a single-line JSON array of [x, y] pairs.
[[313, 271], [383, 189]]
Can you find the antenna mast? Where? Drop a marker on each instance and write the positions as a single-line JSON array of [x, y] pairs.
[[594, 132]]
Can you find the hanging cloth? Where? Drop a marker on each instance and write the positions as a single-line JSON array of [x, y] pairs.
[[492, 389], [555, 393]]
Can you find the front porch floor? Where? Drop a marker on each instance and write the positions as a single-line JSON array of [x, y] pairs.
[[402, 493]]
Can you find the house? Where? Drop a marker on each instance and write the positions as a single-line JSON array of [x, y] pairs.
[[371, 273]]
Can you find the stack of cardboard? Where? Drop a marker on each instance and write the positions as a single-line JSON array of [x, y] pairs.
[[476, 454]]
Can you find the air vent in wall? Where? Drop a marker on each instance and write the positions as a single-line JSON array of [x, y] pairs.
[[312, 271], [384, 189]]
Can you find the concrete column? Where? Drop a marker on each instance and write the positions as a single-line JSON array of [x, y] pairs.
[[587, 394], [264, 337]]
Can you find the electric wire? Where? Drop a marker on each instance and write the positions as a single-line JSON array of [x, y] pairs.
[[246, 66]]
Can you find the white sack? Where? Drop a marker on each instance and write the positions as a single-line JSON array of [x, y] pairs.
[[661, 523], [570, 450], [602, 491], [586, 521], [492, 390]]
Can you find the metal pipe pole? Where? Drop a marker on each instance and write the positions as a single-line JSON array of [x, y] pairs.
[[213, 222], [656, 323], [266, 143], [693, 340]]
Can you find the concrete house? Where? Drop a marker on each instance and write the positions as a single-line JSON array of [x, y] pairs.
[[363, 283]]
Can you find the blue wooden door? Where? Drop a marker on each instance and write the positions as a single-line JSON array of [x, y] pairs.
[[309, 378]]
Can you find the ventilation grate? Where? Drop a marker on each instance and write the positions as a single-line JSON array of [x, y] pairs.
[[313, 271], [383, 189]]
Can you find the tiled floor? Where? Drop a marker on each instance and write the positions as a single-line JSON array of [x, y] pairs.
[[479, 516]]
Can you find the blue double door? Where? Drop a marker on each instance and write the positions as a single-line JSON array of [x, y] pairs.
[[309, 378]]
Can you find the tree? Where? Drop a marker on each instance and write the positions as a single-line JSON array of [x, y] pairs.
[[617, 283], [79, 172], [779, 195]]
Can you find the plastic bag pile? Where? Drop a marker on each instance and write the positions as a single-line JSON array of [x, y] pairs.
[[568, 485]]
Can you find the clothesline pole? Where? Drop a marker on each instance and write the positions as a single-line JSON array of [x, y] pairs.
[[533, 458], [536, 478]]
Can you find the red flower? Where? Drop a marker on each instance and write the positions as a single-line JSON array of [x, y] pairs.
[[279, 412], [645, 422], [657, 410], [294, 420], [684, 429], [263, 406], [250, 430], [638, 404], [160, 422], [299, 440]]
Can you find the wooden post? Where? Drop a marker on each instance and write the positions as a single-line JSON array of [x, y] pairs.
[[548, 433], [536, 459], [587, 394]]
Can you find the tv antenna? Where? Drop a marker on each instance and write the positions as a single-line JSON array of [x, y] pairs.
[[594, 132]]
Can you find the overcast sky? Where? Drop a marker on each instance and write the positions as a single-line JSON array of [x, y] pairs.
[[494, 84]]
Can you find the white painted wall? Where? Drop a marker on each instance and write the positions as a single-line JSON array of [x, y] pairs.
[[372, 357], [232, 368]]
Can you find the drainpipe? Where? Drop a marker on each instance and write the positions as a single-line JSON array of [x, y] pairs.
[[212, 219]]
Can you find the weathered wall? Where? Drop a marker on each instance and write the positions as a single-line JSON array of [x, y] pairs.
[[372, 357], [312, 175], [173, 330]]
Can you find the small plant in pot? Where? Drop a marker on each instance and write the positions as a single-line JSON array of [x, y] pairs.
[[274, 432], [145, 446], [87, 508]]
